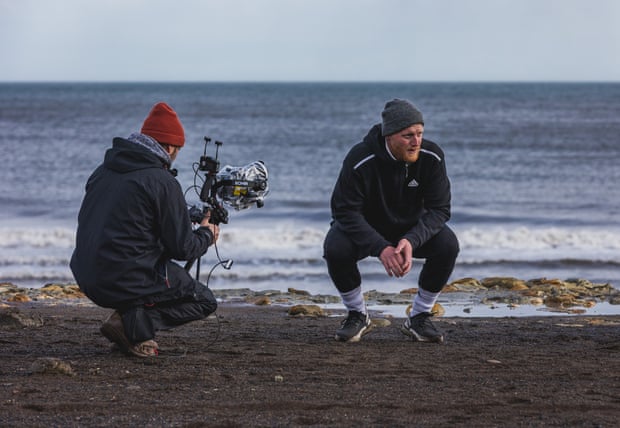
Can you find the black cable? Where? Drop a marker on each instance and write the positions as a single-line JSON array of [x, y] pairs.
[[226, 264]]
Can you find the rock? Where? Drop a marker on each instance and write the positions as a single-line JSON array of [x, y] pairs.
[[13, 293], [323, 298], [381, 322], [63, 291], [584, 283], [261, 300], [306, 311], [504, 283], [576, 287], [298, 292], [536, 301], [560, 301], [538, 282], [7, 287], [382, 298], [19, 298], [51, 366], [12, 317], [437, 310], [464, 284], [409, 291]]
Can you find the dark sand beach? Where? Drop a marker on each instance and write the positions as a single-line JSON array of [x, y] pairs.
[[259, 366]]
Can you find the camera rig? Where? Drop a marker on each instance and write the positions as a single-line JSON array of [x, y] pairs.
[[237, 187]]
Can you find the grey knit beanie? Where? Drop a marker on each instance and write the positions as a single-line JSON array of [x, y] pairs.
[[398, 115]]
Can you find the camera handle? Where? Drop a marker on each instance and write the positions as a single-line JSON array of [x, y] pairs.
[[190, 263], [219, 214]]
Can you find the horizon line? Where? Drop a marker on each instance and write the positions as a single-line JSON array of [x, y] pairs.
[[335, 81]]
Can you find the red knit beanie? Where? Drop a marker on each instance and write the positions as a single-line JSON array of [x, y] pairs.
[[164, 125]]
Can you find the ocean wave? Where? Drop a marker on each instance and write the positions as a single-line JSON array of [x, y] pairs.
[[282, 236], [33, 260], [37, 237], [37, 279], [564, 246], [292, 242], [543, 263], [538, 238]]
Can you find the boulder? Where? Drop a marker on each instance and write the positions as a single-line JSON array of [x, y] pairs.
[[504, 283], [306, 311]]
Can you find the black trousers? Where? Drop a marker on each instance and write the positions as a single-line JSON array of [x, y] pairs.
[[186, 300], [342, 256]]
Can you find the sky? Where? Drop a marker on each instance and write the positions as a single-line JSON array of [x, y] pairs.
[[309, 40]]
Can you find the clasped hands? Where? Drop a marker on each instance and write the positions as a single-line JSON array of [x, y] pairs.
[[397, 260]]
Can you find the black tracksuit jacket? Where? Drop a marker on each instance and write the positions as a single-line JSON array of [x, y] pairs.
[[377, 200], [132, 221]]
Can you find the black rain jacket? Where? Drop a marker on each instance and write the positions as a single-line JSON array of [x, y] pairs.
[[132, 221], [378, 200]]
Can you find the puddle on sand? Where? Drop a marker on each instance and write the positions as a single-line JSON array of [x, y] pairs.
[[497, 310]]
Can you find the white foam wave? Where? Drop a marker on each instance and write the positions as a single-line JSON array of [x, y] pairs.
[[480, 244], [36, 237], [277, 237], [33, 260], [289, 240], [292, 251], [301, 241], [543, 238]]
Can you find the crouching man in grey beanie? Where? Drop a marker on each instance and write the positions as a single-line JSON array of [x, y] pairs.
[[392, 201]]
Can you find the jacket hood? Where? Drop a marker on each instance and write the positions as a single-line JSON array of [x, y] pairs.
[[126, 156], [376, 142]]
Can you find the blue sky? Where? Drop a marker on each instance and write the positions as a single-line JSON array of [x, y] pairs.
[[310, 40]]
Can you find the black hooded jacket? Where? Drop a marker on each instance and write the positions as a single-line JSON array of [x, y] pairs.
[[378, 200], [133, 220]]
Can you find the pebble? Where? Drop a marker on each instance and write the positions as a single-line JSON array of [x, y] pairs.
[[50, 365]]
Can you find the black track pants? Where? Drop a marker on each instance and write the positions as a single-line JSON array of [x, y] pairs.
[[342, 255], [186, 300]]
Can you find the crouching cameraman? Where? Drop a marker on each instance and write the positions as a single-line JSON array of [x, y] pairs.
[[132, 223]]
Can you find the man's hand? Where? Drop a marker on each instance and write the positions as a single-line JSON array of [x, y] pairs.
[[397, 261], [405, 249], [214, 228]]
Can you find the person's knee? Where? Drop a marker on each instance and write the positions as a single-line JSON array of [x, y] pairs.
[[206, 300], [208, 307], [448, 245], [329, 250], [453, 247], [338, 249]]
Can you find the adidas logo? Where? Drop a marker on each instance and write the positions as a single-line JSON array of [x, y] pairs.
[[412, 183]]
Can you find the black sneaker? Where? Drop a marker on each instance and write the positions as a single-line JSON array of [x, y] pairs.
[[355, 325], [421, 328]]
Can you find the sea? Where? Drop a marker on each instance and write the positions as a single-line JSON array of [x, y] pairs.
[[534, 167]]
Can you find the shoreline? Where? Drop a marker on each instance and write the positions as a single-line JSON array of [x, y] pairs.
[[467, 297]]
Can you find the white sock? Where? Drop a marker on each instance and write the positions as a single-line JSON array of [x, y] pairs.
[[354, 300], [423, 302]]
